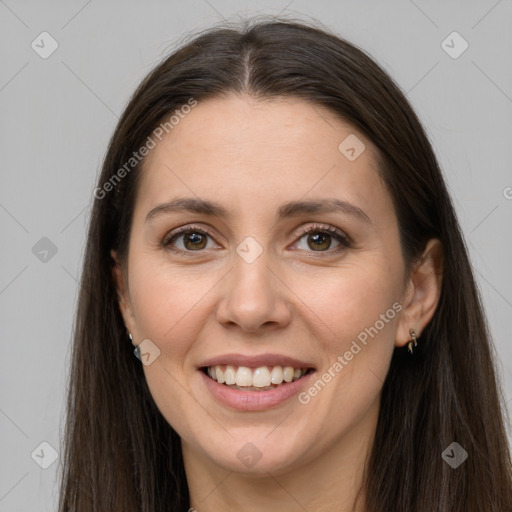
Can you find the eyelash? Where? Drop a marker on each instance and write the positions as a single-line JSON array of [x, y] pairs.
[[338, 235]]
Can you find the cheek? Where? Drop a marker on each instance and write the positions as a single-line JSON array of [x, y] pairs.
[[357, 299], [170, 310], [167, 303], [359, 310], [360, 307]]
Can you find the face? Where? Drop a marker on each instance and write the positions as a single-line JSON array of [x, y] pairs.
[[322, 286]]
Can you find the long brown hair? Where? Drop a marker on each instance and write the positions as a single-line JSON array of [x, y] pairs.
[[119, 452]]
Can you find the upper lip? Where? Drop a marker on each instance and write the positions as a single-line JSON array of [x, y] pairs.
[[256, 361]]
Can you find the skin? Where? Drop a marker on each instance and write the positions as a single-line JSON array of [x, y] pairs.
[[296, 298]]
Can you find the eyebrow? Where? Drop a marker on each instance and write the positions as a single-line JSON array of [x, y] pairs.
[[289, 209]]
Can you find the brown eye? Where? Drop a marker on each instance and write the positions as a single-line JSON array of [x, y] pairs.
[[319, 241], [188, 239], [195, 239]]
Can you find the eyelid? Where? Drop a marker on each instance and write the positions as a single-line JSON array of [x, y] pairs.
[[184, 229], [343, 239], [304, 230]]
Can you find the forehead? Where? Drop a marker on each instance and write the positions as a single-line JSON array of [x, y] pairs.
[[256, 152]]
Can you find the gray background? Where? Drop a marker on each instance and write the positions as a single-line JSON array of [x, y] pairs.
[[57, 115]]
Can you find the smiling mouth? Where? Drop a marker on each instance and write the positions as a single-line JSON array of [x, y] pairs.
[[263, 378]]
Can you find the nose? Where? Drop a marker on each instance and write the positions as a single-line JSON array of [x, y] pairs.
[[254, 297]]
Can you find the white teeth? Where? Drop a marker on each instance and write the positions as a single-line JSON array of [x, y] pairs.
[[219, 374], [276, 375], [230, 375], [262, 377], [243, 376], [288, 374]]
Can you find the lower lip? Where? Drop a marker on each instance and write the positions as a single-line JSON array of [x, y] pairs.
[[255, 400]]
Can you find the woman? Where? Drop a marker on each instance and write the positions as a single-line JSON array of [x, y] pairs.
[[272, 232]]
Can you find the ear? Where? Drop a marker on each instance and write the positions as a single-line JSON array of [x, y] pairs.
[[119, 275], [422, 294]]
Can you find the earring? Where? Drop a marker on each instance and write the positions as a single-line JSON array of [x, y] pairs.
[[136, 350], [413, 340]]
